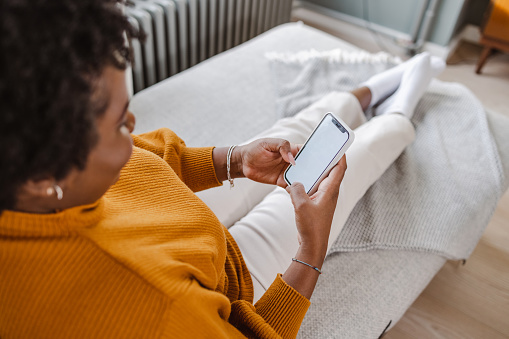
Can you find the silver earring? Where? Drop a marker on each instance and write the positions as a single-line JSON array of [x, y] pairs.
[[50, 191], [60, 193]]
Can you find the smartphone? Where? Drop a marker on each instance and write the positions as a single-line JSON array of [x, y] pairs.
[[321, 152]]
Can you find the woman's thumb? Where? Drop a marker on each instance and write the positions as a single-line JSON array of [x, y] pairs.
[[298, 194]]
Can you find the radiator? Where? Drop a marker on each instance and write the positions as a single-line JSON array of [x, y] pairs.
[[182, 33]]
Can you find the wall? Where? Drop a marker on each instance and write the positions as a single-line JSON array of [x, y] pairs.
[[379, 12], [403, 15], [475, 12], [447, 19]]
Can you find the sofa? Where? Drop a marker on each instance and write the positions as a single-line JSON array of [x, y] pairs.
[[227, 100]]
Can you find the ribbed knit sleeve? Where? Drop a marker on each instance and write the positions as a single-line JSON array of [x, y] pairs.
[[278, 314], [193, 165]]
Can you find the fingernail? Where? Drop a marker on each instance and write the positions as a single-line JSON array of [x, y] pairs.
[[291, 158]]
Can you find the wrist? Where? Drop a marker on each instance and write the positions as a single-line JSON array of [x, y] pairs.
[[236, 170], [313, 255]]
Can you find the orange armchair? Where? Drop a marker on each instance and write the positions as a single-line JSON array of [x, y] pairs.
[[495, 31]]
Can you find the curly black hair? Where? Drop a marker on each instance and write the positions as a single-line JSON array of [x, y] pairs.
[[52, 53]]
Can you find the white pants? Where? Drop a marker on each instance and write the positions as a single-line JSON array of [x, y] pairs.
[[266, 232]]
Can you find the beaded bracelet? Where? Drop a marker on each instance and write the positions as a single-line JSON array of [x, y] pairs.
[[313, 267]]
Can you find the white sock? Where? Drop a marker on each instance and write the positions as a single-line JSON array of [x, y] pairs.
[[414, 82], [383, 84]]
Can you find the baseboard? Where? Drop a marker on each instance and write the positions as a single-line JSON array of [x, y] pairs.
[[469, 33], [437, 50]]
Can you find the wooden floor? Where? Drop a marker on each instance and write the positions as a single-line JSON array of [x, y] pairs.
[[466, 301], [471, 300]]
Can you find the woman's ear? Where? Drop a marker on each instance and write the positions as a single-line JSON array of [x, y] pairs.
[[44, 194], [41, 188]]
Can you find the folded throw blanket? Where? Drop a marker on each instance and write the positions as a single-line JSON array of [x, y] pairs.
[[440, 194]]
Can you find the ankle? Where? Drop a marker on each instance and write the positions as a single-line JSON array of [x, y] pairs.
[[364, 96]]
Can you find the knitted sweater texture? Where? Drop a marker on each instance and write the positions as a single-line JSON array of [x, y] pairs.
[[147, 260]]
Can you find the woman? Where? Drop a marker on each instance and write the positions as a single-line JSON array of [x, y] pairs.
[[100, 238]]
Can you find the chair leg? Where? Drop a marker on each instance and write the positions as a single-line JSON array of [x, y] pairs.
[[486, 52]]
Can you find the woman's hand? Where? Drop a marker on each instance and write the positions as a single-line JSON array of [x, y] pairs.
[[265, 160], [313, 214]]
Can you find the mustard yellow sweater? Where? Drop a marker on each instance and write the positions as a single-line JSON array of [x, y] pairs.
[[148, 260]]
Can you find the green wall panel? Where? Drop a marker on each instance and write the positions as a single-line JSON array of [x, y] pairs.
[[402, 15], [399, 15]]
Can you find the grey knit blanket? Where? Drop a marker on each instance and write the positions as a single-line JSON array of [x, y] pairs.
[[440, 194]]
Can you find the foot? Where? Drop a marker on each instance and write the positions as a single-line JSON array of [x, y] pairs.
[[414, 83], [384, 84]]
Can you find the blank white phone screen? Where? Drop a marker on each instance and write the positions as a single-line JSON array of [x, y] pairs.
[[318, 152]]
